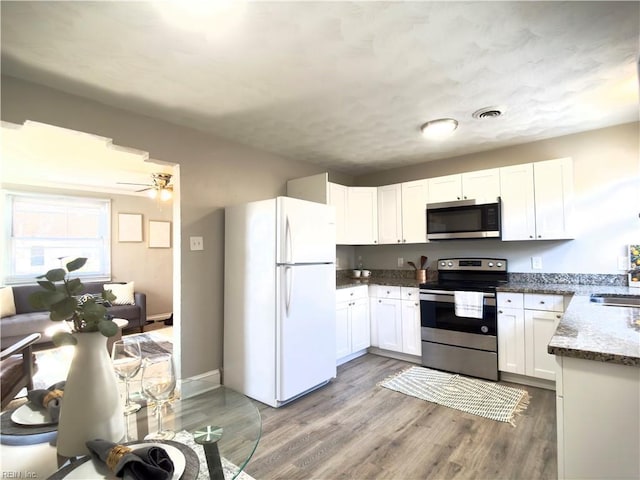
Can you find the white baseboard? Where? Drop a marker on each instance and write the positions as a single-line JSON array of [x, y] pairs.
[[158, 317], [531, 381], [201, 383], [397, 355]]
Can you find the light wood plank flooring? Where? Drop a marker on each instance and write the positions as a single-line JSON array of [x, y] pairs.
[[353, 429]]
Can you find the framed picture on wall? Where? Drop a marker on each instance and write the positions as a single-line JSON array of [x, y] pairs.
[[129, 227], [159, 234]]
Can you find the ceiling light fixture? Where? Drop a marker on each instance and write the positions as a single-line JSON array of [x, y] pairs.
[[440, 128]]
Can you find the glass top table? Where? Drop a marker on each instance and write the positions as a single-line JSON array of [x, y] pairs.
[[218, 408]]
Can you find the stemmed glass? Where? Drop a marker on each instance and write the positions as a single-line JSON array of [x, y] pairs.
[[158, 383], [126, 358]]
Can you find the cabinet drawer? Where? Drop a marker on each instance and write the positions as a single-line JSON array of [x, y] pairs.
[[547, 302], [384, 291], [510, 300], [351, 293], [409, 293]]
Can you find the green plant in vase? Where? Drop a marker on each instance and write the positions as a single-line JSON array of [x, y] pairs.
[[60, 295]]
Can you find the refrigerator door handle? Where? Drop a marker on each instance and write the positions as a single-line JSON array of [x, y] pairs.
[[288, 284], [288, 243]]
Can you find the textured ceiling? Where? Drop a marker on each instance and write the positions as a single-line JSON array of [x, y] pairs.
[[343, 84]]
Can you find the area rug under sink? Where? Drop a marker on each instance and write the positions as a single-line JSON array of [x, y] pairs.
[[485, 399]]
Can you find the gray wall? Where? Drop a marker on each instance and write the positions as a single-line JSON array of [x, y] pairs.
[[607, 204], [214, 173]]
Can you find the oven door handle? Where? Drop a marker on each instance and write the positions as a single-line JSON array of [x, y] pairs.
[[448, 297]]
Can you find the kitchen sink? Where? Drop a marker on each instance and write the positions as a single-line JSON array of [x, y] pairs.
[[616, 300]]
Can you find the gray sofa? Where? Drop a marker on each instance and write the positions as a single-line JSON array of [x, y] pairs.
[[28, 320]]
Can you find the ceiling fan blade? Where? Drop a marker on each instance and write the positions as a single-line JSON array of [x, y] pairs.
[[144, 189], [129, 183]]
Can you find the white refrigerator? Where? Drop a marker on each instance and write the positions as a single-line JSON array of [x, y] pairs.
[[279, 299]]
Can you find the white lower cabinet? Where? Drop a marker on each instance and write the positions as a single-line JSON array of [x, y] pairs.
[[352, 323], [526, 323], [598, 418], [395, 319]]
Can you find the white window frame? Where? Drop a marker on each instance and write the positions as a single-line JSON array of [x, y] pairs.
[[98, 270]]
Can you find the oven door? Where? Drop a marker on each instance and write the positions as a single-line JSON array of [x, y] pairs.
[[437, 310]]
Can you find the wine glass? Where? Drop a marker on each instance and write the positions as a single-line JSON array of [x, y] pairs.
[[158, 383], [126, 359]]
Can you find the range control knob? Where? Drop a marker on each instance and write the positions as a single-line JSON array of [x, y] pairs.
[[450, 264], [442, 264], [490, 264], [499, 264]]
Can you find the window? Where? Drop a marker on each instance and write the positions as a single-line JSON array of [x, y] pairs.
[[46, 231]]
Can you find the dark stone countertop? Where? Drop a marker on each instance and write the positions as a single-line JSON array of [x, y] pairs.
[[588, 330], [388, 281]]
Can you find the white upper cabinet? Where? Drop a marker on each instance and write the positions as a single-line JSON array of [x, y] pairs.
[[390, 214], [482, 185], [401, 212], [362, 215], [415, 196], [553, 181], [338, 198], [537, 200], [445, 189]]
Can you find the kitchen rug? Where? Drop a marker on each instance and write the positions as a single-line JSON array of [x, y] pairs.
[[485, 399]]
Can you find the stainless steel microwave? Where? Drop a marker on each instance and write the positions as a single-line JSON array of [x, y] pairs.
[[463, 219]]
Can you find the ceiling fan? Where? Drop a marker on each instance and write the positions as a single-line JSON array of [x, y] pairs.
[[160, 186]]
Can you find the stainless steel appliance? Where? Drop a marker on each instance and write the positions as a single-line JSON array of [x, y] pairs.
[[466, 344], [463, 219]]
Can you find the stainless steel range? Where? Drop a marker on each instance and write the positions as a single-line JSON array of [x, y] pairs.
[[459, 318]]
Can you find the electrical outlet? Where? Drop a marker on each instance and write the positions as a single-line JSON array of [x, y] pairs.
[[196, 243], [536, 263], [400, 262]]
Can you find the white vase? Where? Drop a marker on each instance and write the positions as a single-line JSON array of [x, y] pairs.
[[91, 406]]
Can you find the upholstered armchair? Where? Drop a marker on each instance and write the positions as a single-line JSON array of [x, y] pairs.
[[17, 367]]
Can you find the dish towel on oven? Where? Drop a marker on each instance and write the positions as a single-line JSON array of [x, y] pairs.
[[468, 304]]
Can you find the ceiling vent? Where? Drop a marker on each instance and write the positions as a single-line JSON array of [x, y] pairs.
[[487, 112]]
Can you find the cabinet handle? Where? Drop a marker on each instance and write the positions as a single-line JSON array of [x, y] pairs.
[[539, 236], [541, 302], [409, 294], [416, 304], [508, 300], [388, 292], [351, 294], [530, 236], [458, 198], [398, 240], [404, 240], [558, 316], [379, 301], [465, 197], [375, 241], [500, 311]]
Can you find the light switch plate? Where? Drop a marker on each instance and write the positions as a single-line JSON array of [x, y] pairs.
[[400, 262], [196, 243]]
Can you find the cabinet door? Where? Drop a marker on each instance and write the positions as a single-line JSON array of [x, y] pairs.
[[511, 343], [338, 198], [518, 202], [390, 214], [388, 323], [360, 325], [343, 343], [362, 215], [445, 189], [539, 328], [415, 196], [482, 185], [411, 338], [553, 180]]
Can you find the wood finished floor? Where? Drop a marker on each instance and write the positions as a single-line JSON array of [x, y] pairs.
[[353, 429]]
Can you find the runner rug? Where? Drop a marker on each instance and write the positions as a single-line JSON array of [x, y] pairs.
[[485, 399]]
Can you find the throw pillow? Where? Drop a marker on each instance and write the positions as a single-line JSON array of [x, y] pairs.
[[122, 291], [7, 305], [96, 297]]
